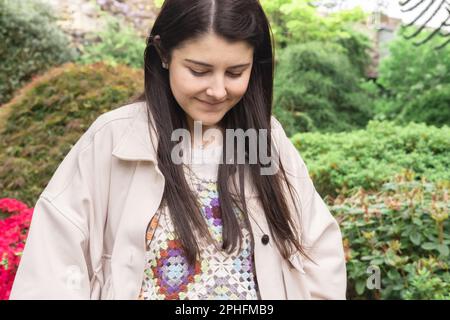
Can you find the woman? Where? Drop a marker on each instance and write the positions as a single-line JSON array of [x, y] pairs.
[[123, 218]]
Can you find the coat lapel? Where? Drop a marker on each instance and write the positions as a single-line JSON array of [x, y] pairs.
[[144, 197], [128, 256]]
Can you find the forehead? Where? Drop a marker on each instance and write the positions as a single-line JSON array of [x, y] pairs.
[[215, 50]]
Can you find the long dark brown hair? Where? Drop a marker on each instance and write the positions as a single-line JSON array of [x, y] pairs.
[[234, 20]]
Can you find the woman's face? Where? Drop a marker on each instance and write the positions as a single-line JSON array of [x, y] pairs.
[[208, 77]]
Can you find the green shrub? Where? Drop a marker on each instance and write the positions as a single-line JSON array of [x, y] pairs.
[[368, 158], [299, 21], [416, 82], [30, 43], [431, 107], [404, 231], [116, 44], [50, 115], [317, 88]]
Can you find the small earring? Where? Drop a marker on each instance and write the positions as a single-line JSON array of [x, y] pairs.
[[165, 66]]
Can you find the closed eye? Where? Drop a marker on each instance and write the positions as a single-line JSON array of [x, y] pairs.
[[200, 74]]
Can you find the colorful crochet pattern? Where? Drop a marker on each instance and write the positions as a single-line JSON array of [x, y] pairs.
[[216, 275]]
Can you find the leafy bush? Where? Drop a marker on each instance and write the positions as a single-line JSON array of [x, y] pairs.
[[317, 88], [116, 44], [368, 158], [50, 115], [431, 107], [298, 21], [13, 230], [404, 231], [30, 43], [416, 82]]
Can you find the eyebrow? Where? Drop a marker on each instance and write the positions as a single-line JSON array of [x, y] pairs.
[[208, 65]]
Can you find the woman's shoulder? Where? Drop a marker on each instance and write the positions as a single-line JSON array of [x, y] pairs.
[[114, 123], [119, 117], [275, 124], [109, 133], [278, 134], [109, 128], [291, 158]]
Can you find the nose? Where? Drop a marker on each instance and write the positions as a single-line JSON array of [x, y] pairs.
[[217, 90]]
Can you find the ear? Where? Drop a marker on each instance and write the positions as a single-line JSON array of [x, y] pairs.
[[158, 47]]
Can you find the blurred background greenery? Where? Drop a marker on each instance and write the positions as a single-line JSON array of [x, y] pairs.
[[367, 108]]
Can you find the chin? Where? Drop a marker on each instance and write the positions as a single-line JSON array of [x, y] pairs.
[[209, 123], [209, 119]]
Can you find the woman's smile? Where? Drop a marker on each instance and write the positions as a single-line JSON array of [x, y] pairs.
[[216, 104]]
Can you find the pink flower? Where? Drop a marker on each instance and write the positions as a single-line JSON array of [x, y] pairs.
[[9, 205], [13, 231]]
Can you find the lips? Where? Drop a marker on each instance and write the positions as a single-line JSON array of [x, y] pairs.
[[210, 103]]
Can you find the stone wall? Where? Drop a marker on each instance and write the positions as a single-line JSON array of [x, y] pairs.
[[139, 13], [78, 18]]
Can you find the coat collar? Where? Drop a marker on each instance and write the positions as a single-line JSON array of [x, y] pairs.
[[139, 143]]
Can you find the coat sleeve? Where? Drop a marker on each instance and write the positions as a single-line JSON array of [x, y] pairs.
[[55, 263], [326, 277]]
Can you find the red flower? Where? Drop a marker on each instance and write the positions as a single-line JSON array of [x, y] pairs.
[[9, 205], [13, 231]]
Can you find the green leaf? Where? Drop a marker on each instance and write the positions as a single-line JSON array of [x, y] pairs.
[[367, 258], [393, 274], [360, 286], [377, 261], [415, 238], [429, 246], [443, 250], [398, 287]]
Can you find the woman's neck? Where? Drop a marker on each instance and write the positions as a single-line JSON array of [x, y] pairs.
[[203, 136]]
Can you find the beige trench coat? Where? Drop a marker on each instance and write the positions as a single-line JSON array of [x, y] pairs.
[[87, 236]]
